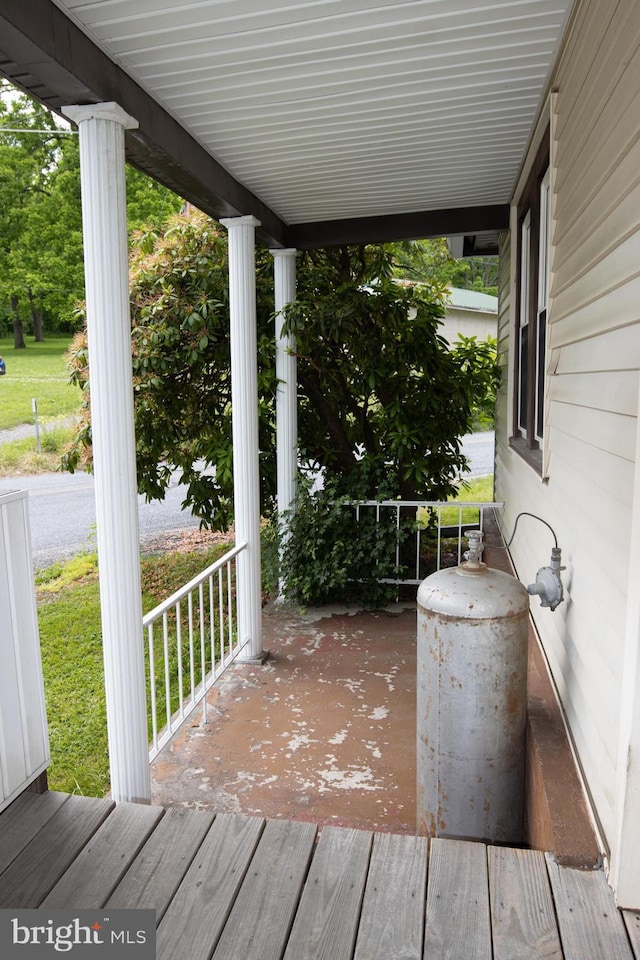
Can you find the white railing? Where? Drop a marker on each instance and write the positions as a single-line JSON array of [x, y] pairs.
[[191, 639], [438, 528]]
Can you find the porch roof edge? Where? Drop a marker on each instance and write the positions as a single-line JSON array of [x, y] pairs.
[[45, 54]]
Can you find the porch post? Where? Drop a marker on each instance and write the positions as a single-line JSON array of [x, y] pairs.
[[244, 411], [102, 168], [287, 387]]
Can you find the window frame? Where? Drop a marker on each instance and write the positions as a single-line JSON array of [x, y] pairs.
[[532, 289]]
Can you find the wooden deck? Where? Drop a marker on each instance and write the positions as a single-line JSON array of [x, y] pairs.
[[241, 888]]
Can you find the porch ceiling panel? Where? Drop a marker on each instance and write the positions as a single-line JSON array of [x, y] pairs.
[[326, 110]]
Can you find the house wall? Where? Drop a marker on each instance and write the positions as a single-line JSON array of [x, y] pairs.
[[587, 489], [469, 323]]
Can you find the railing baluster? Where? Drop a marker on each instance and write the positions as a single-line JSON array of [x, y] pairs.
[[212, 626], [222, 624], [192, 652], [152, 687], [397, 566], [167, 676], [229, 609], [203, 650], [179, 656]]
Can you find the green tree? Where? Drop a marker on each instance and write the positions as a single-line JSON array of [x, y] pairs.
[[26, 162], [41, 258], [382, 400], [431, 260], [149, 204], [50, 247], [181, 366]]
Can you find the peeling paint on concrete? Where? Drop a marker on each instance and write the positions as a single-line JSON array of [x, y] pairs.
[[350, 779], [300, 740], [339, 737], [328, 737], [379, 713]]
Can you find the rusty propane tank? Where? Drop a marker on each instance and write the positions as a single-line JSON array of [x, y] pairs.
[[472, 702]]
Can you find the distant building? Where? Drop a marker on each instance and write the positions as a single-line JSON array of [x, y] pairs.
[[471, 314]]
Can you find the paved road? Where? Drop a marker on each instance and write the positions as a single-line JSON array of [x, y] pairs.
[[479, 448], [63, 514]]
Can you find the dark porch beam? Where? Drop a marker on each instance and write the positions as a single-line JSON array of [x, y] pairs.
[[49, 57], [401, 226]]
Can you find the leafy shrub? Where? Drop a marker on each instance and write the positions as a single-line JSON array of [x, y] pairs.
[[480, 359], [333, 552]]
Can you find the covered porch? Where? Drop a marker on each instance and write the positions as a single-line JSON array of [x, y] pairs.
[[431, 143], [321, 181]]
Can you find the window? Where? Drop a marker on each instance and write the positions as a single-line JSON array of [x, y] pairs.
[[533, 293]]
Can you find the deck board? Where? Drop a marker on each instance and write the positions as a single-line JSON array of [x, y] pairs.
[[23, 819], [259, 924], [97, 870], [196, 916], [632, 923], [30, 877], [156, 873], [231, 886], [457, 926], [327, 920], [589, 923], [522, 915], [392, 919]]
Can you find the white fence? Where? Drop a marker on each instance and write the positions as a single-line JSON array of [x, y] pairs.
[[191, 639], [24, 738], [436, 527]]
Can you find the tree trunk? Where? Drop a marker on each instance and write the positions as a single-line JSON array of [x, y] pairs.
[[36, 319], [18, 332]]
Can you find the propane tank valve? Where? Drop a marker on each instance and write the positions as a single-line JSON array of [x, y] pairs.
[[473, 555], [548, 585]]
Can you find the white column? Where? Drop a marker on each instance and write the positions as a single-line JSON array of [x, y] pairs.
[[244, 407], [287, 388], [104, 215]]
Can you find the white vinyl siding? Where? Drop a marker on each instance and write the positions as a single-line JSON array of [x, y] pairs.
[[593, 346]]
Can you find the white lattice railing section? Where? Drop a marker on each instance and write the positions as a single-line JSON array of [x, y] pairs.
[[191, 639], [437, 528]]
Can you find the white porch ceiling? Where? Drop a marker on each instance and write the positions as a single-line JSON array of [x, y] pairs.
[[337, 109]]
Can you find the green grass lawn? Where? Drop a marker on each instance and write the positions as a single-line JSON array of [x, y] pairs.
[[21, 457], [473, 490], [71, 643], [36, 372]]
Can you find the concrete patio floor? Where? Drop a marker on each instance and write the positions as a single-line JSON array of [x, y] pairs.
[[323, 731]]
